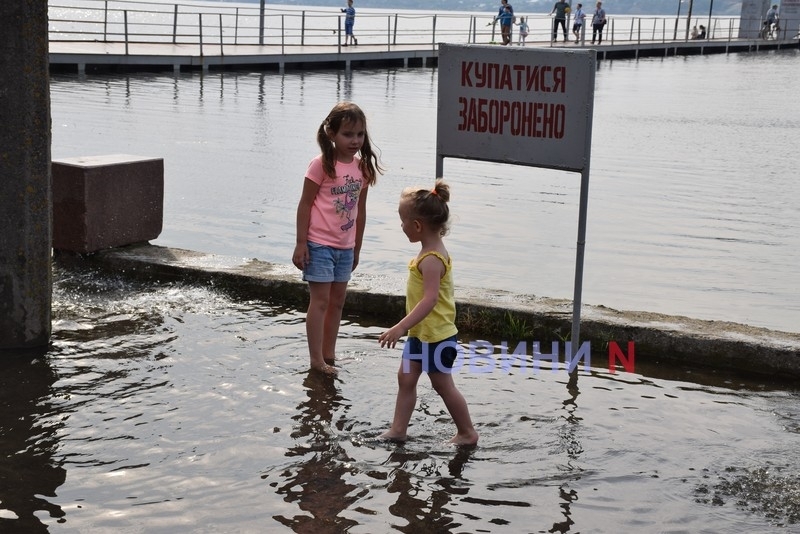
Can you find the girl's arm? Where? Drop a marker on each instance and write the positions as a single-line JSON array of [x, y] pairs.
[[300, 255], [361, 223], [432, 271]]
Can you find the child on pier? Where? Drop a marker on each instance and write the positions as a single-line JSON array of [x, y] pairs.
[[349, 21], [577, 26], [331, 216], [523, 31], [430, 315]]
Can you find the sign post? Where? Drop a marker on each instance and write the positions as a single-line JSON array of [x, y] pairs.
[[523, 106]]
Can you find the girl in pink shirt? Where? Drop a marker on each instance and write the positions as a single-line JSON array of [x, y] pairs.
[[331, 217]]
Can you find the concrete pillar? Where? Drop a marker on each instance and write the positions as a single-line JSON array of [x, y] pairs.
[[753, 12], [789, 11], [25, 197]]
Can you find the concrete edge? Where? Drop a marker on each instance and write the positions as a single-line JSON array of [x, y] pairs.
[[482, 314]]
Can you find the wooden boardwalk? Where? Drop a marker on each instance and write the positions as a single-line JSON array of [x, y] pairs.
[[94, 56]]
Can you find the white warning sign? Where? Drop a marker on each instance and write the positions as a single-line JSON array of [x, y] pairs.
[[515, 105]]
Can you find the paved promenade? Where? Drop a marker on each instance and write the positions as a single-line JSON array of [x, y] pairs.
[[482, 314], [90, 56]]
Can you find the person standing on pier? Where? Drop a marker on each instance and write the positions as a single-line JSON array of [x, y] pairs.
[[331, 217], [506, 20], [505, 7], [577, 26], [523, 31], [770, 19], [598, 23], [349, 20], [560, 9]]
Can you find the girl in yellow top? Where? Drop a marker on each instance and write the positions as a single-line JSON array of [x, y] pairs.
[[430, 315]]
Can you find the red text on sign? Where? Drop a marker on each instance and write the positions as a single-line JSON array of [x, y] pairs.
[[526, 119], [527, 78]]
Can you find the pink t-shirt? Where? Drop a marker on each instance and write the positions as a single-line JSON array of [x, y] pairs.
[[334, 212]]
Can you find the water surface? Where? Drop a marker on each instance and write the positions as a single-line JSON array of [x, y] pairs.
[[691, 208], [178, 408], [175, 408]]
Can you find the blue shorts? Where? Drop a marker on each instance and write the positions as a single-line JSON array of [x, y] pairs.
[[328, 264], [437, 357]]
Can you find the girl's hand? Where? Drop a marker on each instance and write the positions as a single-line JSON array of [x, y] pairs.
[[391, 336], [300, 256]]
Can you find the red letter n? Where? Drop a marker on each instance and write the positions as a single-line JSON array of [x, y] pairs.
[[615, 353]]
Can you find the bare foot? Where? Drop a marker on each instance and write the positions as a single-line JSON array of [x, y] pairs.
[[469, 438], [325, 369], [390, 436]]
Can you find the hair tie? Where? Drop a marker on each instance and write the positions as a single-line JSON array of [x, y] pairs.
[[433, 192]]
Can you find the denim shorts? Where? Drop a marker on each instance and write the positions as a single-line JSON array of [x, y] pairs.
[[437, 357], [328, 264]]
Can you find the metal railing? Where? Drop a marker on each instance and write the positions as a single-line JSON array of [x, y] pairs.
[[112, 21], [141, 22]]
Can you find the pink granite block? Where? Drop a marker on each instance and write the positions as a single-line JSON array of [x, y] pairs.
[[109, 201]]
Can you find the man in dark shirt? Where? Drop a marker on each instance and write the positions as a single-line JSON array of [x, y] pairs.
[[560, 9]]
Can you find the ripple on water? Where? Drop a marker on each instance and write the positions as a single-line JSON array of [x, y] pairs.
[[183, 404], [687, 215]]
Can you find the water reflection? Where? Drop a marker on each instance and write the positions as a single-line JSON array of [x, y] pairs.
[[427, 509], [161, 406], [571, 444], [30, 472], [317, 483], [424, 483]]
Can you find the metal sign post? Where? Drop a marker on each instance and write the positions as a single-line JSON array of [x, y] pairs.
[[523, 106]]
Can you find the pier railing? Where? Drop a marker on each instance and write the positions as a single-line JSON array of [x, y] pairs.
[[198, 24]]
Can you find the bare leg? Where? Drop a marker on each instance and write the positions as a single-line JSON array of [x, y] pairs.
[[406, 400], [457, 406], [333, 318], [315, 324]]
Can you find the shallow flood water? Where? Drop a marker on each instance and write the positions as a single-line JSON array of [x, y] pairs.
[[177, 408]]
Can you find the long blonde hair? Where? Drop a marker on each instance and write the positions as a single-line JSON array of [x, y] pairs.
[[342, 113]]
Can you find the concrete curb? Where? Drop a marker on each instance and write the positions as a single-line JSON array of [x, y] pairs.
[[483, 314]]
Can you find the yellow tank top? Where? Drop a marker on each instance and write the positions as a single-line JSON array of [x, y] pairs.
[[441, 321]]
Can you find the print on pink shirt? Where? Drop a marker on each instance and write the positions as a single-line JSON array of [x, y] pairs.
[[348, 201]]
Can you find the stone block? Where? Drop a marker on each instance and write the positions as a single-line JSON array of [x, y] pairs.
[[107, 201]]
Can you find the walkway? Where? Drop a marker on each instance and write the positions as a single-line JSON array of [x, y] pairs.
[[657, 337], [93, 56]]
